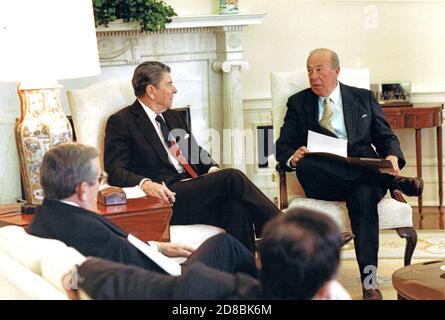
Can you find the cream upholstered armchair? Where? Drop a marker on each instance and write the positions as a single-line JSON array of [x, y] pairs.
[[90, 109], [394, 212]]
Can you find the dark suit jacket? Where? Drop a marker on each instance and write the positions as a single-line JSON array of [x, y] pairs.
[[364, 121], [102, 279], [87, 232], [133, 150]]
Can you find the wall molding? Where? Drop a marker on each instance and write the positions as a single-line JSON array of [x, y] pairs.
[[183, 24], [419, 93]]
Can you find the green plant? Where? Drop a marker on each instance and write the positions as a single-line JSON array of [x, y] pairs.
[[152, 15]]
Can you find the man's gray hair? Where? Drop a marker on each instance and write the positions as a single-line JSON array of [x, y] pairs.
[[146, 73], [335, 62], [64, 167]]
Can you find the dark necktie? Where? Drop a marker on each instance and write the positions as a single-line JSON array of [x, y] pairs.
[[164, 129], [174, 147]]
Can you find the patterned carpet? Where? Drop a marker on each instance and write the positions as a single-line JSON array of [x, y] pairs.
[[430, 246]]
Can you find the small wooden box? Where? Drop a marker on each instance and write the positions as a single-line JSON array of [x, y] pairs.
[[111, 196]]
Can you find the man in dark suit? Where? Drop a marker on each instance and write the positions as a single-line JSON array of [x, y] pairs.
[[149, 145], [299, 251], [70, 177], [104, 280], [353, 114]]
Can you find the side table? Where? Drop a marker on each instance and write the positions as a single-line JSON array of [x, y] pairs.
[[418, 117], [146, 218]]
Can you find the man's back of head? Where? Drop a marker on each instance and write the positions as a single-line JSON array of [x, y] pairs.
[[300, 253]]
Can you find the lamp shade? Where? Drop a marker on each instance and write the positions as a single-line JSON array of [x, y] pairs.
[[47, 39]]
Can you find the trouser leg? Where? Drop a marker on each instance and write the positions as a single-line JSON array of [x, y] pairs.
[[239, 223], [360, 188], [226, 198], [328, 179], [224, 252], [362, 209]]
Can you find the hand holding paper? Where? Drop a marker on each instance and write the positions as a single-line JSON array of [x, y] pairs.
[[333, 148], [169, 265]]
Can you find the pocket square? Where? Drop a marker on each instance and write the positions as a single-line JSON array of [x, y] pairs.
[[364, 116], [186, 136]]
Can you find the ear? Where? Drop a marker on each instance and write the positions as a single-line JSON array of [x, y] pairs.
[[337, 71], [81, 190], [150, 91]]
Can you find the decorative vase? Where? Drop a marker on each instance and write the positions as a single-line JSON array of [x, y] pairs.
[[228, 6], [42, 125]]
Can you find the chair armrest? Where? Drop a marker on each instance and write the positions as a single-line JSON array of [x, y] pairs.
[[282, 185], [397, 196], [283, 168]]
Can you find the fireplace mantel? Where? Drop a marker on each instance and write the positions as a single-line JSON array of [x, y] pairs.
[[206, 56], [198, 23]]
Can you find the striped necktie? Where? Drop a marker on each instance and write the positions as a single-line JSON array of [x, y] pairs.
[[326, 118], [174, 147]]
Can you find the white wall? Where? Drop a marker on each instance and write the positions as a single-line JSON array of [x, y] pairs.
[[397, 40]]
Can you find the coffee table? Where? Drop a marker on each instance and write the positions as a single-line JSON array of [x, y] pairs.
[[421, 281]]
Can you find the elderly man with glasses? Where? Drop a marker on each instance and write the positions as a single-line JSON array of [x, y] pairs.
[[70, 178]]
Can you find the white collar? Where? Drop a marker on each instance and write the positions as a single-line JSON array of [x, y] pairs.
[[70, 203], [150, 113], [335, 95]]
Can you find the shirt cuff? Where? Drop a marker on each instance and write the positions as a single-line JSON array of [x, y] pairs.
[[153, 244], [288, 163], [142, 182]]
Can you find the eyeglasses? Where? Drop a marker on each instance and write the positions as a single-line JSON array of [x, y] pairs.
[[102, 178]]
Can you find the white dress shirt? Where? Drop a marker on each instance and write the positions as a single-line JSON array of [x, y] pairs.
[[338, 119], [152, 115]]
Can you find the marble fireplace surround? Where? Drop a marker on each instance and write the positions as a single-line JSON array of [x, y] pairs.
[[205, 54]]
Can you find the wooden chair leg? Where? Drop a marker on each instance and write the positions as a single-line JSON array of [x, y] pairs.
[[410, 234]]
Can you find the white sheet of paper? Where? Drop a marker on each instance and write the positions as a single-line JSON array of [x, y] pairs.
[[317, 142], [169, 265], [134, 192]]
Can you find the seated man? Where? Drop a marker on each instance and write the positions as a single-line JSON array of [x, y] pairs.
[[149, 145], [299, 254], [332, 108], [70, 179]]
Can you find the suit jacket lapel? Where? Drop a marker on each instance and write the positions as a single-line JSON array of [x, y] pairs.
[[172, 119], [311, 106], [351, 110], [149, 132]]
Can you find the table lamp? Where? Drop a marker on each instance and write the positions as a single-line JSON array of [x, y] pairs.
[[41, 42]]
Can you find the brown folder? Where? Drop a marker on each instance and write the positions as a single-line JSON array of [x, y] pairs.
[[374, 164]]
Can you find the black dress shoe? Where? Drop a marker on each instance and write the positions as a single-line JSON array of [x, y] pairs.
[[346, 237], [409, 186], [372, 294]]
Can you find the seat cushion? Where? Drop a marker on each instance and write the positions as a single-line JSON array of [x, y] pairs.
[[193, 235], [18, 282], [392, 213], [25, 248]]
